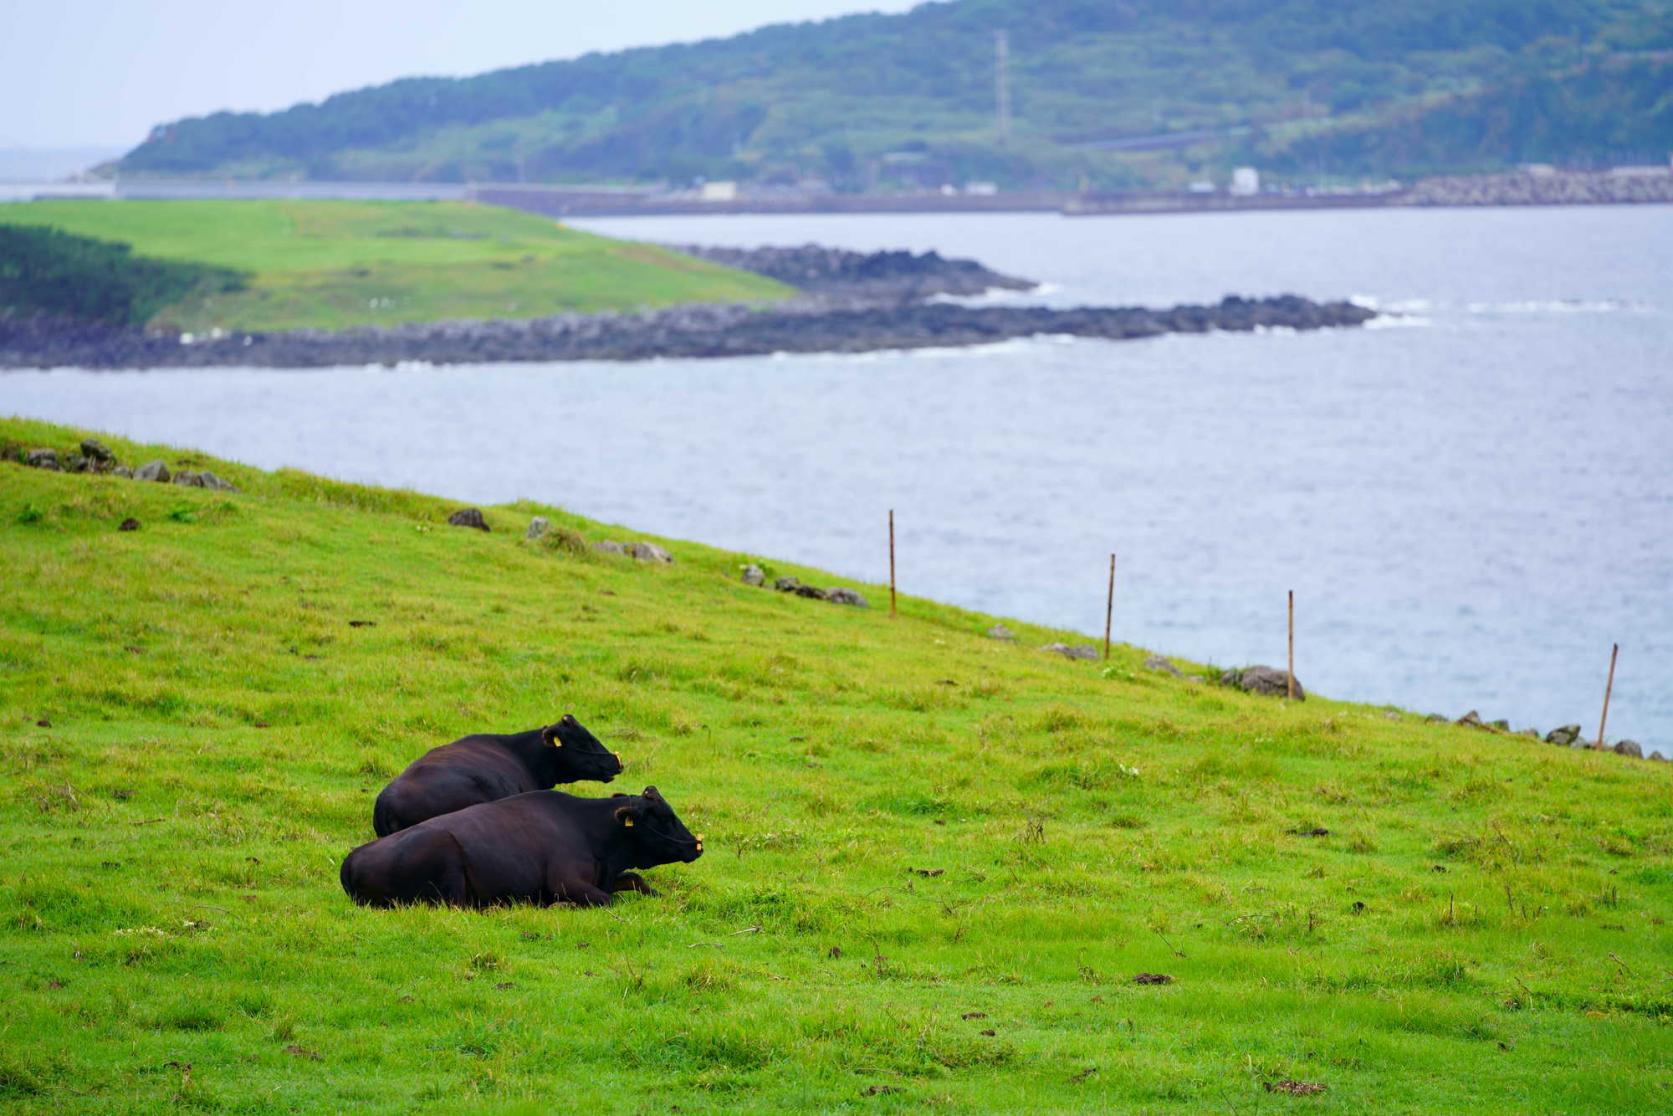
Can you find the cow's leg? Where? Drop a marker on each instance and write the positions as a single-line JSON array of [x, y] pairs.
[[632, 881], [579, 892], [435, 871]]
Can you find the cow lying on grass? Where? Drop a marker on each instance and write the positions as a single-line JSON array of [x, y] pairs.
[[486, 767], [542, 847]]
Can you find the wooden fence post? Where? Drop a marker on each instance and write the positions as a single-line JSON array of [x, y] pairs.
[[1109, 609], [1289, 681], [892, 611], [1609, 687]]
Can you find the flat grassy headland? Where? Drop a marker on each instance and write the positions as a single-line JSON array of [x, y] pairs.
[[331, 264], [936, 861]]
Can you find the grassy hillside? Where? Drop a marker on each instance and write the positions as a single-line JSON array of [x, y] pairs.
[[1149, 92], [330, 264], [936, 862]]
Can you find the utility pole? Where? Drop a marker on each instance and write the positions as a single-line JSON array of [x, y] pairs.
[[1002, 82]]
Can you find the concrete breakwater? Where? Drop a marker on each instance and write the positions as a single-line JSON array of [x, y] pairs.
[[801, 326], [883, 276]]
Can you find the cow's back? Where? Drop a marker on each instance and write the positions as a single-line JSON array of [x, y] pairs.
[[492, 852], [452, 777]]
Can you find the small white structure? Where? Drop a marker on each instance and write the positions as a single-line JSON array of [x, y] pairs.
[[1246, 182], [981, 189], [724, 190]]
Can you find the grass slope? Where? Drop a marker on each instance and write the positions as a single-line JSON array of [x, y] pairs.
[[330, 264], [192, 731]]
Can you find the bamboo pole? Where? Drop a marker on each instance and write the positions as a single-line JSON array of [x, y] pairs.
[[1609, 687], [1289, 680], [1109, 609], [892, 611]]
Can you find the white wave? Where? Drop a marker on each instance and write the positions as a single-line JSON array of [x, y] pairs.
[[1556, 306], [1399, 321]]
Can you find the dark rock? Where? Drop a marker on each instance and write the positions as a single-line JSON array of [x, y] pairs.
[[754, 575], [77, 463], [209, 480], [1079, 651], [649, 552], [97, 451], [1436, 719], [1159, 663], [152, 471], [42, 459], [819, 324], [1000, 631], [896, 276], [1658, 757], [812, 592], [844, 596], [608, 546], [1472, 719], [1563, 735], [787, 584], [1628, 748], [129, 524], [468, 517], [538, 526], [188, 478], [122, 471], [1265, 680], [1153, 978]]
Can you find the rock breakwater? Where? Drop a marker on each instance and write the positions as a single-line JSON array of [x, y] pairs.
[[800, 326]]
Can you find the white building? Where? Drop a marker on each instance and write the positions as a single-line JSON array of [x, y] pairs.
[[1246, 182]]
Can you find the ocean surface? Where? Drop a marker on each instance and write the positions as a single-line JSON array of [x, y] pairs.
[[1471, 500]]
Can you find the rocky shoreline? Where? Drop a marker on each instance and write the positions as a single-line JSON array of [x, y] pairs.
[[801, 326], [851, 302]]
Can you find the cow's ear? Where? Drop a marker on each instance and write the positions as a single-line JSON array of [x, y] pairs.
[[549, 734], [625, 815]]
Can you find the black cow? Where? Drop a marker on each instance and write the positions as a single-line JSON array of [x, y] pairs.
[[486, 767], [542, 847]]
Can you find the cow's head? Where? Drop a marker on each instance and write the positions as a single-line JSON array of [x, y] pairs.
[[651, 826], [577, 753]]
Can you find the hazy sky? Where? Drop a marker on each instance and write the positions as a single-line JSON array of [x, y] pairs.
[[102, 72]]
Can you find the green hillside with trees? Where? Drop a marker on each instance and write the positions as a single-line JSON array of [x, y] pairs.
[[1141, 92]]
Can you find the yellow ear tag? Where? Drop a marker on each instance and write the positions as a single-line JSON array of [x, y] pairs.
[[628, 822]]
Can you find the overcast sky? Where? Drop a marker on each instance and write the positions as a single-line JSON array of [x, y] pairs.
[[102, 72]]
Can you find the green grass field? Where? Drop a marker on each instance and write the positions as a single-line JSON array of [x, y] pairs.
[[331, 264], [935, 861]]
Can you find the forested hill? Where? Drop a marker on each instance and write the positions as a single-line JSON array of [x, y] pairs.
[[1105, 93]]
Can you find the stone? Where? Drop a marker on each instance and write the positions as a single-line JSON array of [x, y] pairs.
[[1658, 757], [787, 584], [122, 471], [129, 524], [1533, 732], [97, 451], [42, 459], [1436, 719], [1472, 719], [1500, 725], [1000, 631], [538, 526], [1628, 748], [1563, 735], [844, 596], [152, 471], [210, 480], [468, 517], [1082, 651], [649, 552], [77, 463], [812, 592], [1265, 680], [1160, 663], [188, 478], [754, 575], [608, 546]]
